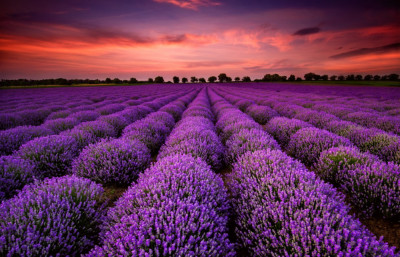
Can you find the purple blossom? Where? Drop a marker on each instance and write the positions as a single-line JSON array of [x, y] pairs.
[[115, 161], [61, 124], [261, 114], [15, 173], [56, 217], [83, 116]]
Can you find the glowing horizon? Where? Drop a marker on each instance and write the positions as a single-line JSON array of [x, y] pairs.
[[196, 38]]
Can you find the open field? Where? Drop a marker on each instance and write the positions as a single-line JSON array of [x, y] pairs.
[[226, 169]]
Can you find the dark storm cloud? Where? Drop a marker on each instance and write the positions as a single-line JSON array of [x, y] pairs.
[[365, 51], [307, 31]]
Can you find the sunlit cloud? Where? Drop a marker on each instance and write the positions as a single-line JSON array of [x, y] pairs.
[[190, 4]]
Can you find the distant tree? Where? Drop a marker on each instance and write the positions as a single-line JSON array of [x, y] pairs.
[[350, 77], [283, 78], [292, 78], [299, 79], [202, 80], [324, 77], [377, 77], [358, 77], [393, 77], [133, 80], [317, 77], [222, 77], [276, 77], [333, 77], [341, 78], [384, 77], [237, 79], [150, 80], [246, 79], [309, 76], [108, 80], [368, 77], [267, 77], [212, 79], [159, 79], [228, 79], [117, 81], [184, 80], [175, 79], [193, 79]]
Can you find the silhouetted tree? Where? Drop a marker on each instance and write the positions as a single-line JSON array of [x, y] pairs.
[[237, 79], [393, 77], [108, 80], [159, 79], [283, 78], [377, 77], [202, 80], [299, 79], [246, 79], [324, 77], [175, 79], [150, 80], [222, 77], [333, 77], [317, 77], [292, 78], [309, 76], [212, 79], [193, 79], [133, 80], [341, 78], [350, 77], [368, 77], [228, 79], [384, 77], [358, 77], [184, 80]]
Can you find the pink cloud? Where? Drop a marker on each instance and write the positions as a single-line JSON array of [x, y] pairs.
[[190, 4]]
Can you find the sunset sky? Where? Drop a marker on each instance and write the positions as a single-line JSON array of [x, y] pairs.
[[147, 38]]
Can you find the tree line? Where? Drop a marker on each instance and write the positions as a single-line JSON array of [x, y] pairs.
[[221, 78]]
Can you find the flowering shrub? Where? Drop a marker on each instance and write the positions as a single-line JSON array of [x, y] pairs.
[[281, 209], [110, 109], [99, 129], [248, 140], [15, 173], [12, 139], [51, 155], [282, 128], [62, 124], [178, 207], [115, 161], [56, 217], [118, 122], [83, 116], [261, 114], [59, 114], [10, 120], [308, 143]]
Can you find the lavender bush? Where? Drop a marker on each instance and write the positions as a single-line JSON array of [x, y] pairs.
[[62, 124], [15, 173], [282, 128], [261, 114], [115, 161], [56, 217]]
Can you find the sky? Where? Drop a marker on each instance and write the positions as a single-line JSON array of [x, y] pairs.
[[148, 38]]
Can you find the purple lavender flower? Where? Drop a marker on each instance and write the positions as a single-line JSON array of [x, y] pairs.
[[59, 114], [117, 161], [51, 155], [308, 143], [110, 109], [12, 139], [248, 140], [261, 114], [282, 128], [10, 120], [85, 115], [99, 129], [281, 209], [56, 217], [117, 121], [15, 173], [62, 124]]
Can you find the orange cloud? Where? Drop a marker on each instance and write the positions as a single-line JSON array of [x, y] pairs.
[[190, 4]]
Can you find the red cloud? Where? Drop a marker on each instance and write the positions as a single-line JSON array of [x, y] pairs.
[[190, 4]]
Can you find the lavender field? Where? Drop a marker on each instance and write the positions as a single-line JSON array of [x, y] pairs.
[[226, 169]]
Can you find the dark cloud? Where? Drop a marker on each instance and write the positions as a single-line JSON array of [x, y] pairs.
[[307, 31], [364, 51]]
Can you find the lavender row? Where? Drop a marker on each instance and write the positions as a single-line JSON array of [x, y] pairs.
[[372, 186], [119, 161], [53, 155], [178, 207], [67, 218], [32, 113], [282, 209]]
